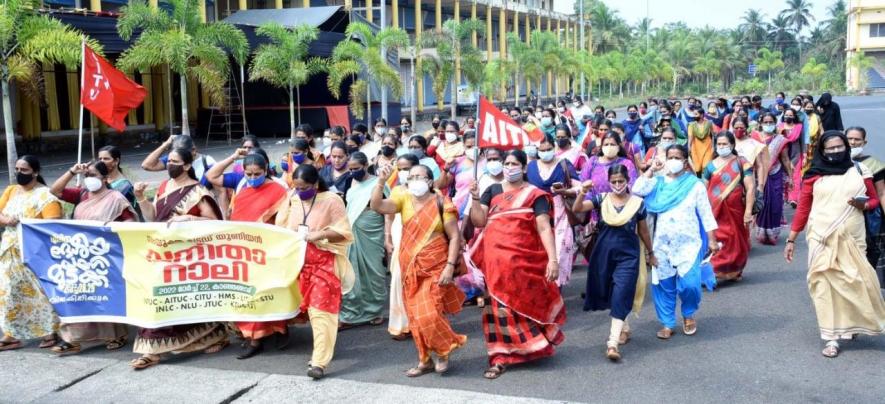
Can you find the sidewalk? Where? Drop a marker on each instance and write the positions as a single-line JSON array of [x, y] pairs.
[[27, 377]]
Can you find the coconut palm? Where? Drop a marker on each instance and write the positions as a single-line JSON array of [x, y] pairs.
[[359, 54], [444, 49], [768, 61], [497, 76], [526, 60], [28, 39], [753, 27], [284, 62], [708, 65], [180, 40], [798, 14], [814, 71]]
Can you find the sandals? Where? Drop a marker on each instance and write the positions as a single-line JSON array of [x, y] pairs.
[[251, 350], [689, 326], [665, 333], [316, 372], [144, 362], [442, 364], [494, 372], [402, 337], [217, 347], [377, 321], [624, 337], [10, 345], [116, 344], [49, 342], [421, 369], [66, 348], [612, 354], [831, 350]]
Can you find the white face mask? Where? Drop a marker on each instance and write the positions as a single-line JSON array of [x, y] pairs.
[[380, 131], [451, 137], [619, 191], [723, 151], [513, 174], [610, 151], [674, 166], [469, 153], [92, 184], [403, 178], [418, 187], [664, 144], [531, 150], [546, 156], [495, 168], [769, 128], [856, 151]]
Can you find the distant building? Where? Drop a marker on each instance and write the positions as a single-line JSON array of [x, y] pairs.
[[866, 33]]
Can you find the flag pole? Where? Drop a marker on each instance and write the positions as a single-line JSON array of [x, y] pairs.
[[82, 84], [476, 140]]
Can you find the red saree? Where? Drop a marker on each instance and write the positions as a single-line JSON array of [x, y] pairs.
[[726, 192], [524, 320], [423, 258], [259, 205]]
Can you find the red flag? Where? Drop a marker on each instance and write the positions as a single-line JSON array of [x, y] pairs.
[[497, 130], [107, 92]]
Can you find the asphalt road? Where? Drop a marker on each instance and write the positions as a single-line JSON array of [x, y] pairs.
[[757, 341]]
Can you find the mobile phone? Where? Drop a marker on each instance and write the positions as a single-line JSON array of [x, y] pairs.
[[862, 198]]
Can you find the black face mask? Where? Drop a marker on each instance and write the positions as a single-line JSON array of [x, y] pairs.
[[563, 143], [358, 174], [809, 111], [834, 157], [434, 124], [352, 150], [175, 170], [387, 151], [24, 179]]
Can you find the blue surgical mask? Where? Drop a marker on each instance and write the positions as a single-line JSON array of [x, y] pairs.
[[417, 153], [546, 156], [546, 121], [255, 182], [531, 150], [298, 158]]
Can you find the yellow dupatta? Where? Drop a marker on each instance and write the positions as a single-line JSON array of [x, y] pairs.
[[612, 217]]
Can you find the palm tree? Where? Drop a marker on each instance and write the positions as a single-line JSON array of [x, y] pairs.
[[438, 61], [454, 48], [525, 59], [497, 76], [768, 61], [283, 62], [182, 41], [679, 53], [610, 32], [798, 14], [753, 28], [815, 71], [863, 63], [708, 65], [779, 32], [360, 53], [28, 39]]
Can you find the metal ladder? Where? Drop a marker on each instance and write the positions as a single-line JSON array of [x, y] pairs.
[[228, 119]]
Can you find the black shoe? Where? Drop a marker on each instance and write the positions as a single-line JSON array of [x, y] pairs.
[[251, 350], [283, 340], [315, 372]]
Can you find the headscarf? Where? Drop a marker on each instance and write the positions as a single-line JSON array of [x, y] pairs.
[[831, 115], [821, 166]]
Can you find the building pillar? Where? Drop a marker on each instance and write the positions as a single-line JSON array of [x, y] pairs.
[[369, 14], [156, 3], [278, 4], [457, 54], [438, 15], [73, 80], [502, 34], [52, 116], [528, 41], [419, 77], [305, 4], [473, 37], [243, 4], [148, 103], [94, 5], [489, 33], [202, 8], [394, 11]]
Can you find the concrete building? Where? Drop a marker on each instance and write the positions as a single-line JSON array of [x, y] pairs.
[[866, 33]]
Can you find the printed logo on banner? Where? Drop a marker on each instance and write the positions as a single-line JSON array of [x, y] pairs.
[[79, 270]]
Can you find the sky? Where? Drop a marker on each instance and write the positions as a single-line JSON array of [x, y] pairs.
[[697, 13]]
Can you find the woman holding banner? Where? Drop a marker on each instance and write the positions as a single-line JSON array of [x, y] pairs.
[[25, 312], [523, 320], [398, 323], [96, 201], [320, 217], [365, 303], [179, 199], [256, 199], [428, 258]]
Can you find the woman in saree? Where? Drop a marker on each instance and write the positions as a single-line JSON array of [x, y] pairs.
[[752, 150], [398, 321], [566, 148], [811, 131], [25, 312], [684, 234], [445, 151], [335, 173], [257, 198], [320, 217], [844, 290], [731, 189], [616, 277], [299, 153], [365, 302], [557, 177], [111, 157], [523, 320], [770, 220], [427, 258], [659, 151], [700, 142], [461, 174], [95, 201], [179, 199]]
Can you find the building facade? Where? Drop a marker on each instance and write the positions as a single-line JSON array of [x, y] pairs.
[[866, 33]]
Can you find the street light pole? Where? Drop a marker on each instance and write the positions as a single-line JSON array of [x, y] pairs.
[[583, 45], [384, 58]]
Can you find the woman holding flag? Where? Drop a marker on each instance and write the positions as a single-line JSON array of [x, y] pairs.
[[683, 234]]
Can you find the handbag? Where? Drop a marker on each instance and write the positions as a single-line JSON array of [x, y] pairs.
[[758, 202], [460, 267], [573, 218]]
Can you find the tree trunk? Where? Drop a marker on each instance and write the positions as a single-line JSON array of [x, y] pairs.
[[515, 92], [185, 127], [769, 81], [620, 89], [169, 101], [11, 155], [298, 97], [291, 113]]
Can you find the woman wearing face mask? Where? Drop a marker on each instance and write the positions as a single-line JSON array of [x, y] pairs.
[[449, 149], [398, 321], [659, 152], [732, 191], [181, 198], [111, 157], [493, 173], [714, 117], [611, 153], [427, 258], [557, 177], [334, 174], [769, 220], [700, 142], [319, 215], [843, 285], [94, 201], [418, 148], [405, 125], [616, 277], [25, 312], [523, 321], [257, 198], [365, 302], [567, 149], [390, 149], [248, 142], [684, 235], [811, 131], [857, 139], [631, 150], [336, 134], [636, 130], [470, 283], [830, 113], [434, 126], [791, 128], [299, 153]]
